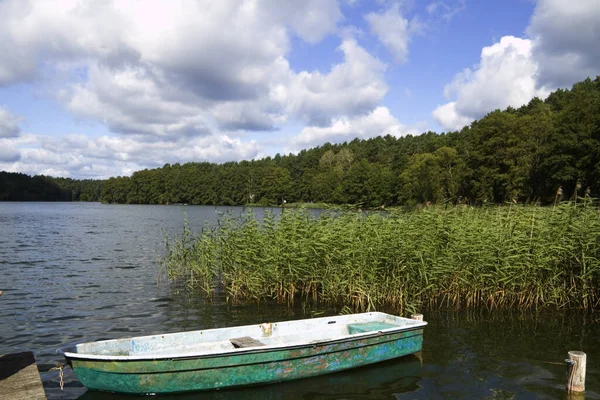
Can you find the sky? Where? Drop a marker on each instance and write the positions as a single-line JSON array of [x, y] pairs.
[[94, 89]]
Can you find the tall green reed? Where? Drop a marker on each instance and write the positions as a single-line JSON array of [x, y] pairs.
[[493, 257]]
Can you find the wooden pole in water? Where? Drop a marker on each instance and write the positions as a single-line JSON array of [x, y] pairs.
[[576, 372], [418, 317], [419, 354]]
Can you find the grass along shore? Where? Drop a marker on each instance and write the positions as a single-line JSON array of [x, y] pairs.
[[494, 257]]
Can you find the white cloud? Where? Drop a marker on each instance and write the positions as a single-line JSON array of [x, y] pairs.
[[136, 100], [562, 49], [218, 50], [141, 99], [8, 124], [311, 20], [378, 122], [394, 30], [65, 30], [257, 115], [352, 87], [185, 80], [446, 10], [81, 157], [566, 37], [8, 152], [447, 116], [164, 69], [506, 76], [198, 54]]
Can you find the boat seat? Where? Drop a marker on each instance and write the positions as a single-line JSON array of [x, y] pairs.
[[369, 327], [245, 341]]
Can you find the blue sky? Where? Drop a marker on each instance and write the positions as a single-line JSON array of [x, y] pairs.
[[97, 89]]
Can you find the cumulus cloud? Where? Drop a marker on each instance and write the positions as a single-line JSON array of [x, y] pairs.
[[447, 116], [8, 153], [352, 87], [258, 115], [81, 157], [378, 122], [8, 124], [190, 67], [311, 20], [154, 64], [186, 80], [566, 41], [59, 31], [505, 76], [141, 100], [394, 30], [135, 100], [562, 49]]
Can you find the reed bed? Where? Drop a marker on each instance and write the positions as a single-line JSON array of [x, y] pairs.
[[462, 257]]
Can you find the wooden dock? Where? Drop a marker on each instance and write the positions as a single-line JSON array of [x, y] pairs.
[[20, 378]]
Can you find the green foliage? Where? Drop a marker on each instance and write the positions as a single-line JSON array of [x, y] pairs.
[[21, 187], [509, 256], [435, 177]]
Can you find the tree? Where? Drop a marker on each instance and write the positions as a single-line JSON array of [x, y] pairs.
[[275, 185], [435, 177]]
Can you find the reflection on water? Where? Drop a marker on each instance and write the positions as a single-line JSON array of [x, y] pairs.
[[505, 354], [81, 272]]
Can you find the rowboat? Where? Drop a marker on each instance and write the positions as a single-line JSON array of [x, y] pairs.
[[244, 355]]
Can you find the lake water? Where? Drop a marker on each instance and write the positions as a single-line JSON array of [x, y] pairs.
[[74, 272]]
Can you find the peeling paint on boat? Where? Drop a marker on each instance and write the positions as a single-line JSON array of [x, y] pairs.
[[203, 360]]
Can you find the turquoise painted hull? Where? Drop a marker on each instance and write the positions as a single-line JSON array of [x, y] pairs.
[[246, 367]]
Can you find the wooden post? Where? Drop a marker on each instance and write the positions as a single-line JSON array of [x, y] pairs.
[[419, 354], [418, 317], [576, 372]]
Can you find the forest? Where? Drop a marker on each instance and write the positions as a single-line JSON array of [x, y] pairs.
[[544, 151], [22, 187]]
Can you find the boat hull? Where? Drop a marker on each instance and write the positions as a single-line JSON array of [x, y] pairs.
[[253, 366]]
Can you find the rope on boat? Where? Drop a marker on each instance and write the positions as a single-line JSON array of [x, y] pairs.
[[545, 362], [59, 368]]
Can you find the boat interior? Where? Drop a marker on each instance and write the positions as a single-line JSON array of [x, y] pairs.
[[222, 340]]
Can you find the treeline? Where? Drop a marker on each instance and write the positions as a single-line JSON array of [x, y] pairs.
[[543, 151], [21, 187]]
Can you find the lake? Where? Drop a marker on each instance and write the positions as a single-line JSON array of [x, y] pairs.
[[74, 272]]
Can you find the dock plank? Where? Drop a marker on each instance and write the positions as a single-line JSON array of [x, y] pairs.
[[20, 378]]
